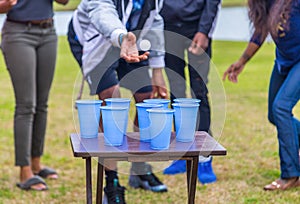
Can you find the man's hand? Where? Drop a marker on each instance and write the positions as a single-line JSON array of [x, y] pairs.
[[199, 44], [129, 50], [158, 84], [6, 5]]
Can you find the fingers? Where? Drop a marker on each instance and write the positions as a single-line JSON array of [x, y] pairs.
[[154, 92], [231, 74], [193, 48], [228, 72], [196, 49], [162, 92], [13, 2], [225, 75], [131, 59], [134, 59], [159, 92], [144, 56], [232, 77]]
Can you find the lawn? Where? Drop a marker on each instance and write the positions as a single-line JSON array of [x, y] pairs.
[[252, 159]]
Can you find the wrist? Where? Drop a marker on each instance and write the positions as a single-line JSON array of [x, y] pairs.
[[157, 71], [245, 58]]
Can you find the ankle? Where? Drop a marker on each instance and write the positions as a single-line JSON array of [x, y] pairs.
[[111, 178], [25, 173], [291, 179], [36, 164]]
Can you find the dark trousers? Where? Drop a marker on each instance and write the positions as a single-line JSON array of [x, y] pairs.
[[177, 42]]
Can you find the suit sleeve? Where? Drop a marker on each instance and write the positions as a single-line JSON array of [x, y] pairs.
[[208, 16], [104, 16]]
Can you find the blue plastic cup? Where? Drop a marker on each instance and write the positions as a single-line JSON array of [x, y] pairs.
[[89, 116], [186, 100], [119, 102], [160, 127], [164, 102], [143, 119], [114, 119], [185, 121]]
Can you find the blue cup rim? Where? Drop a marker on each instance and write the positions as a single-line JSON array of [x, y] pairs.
[[187, 100], [156, 100], [117, 99], [88, 101], [149, 105], [113, 108], [186, 105], [160, 110]]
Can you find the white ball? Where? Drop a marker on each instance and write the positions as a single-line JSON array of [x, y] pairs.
[[145, 45]]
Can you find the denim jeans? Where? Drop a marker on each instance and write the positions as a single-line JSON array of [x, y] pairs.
[[284, 93]]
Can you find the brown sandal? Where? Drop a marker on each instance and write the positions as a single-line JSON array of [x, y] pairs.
[[283, 184]]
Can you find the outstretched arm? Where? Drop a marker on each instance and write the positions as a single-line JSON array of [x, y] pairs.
[[236, 68]]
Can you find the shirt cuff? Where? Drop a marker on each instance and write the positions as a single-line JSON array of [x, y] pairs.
[[256, 40], [202, 30], [114, 37], [157, 62]]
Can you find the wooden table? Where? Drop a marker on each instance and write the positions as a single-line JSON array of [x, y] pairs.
[[133, 150]]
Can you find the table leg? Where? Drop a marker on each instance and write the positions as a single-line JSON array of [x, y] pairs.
[[88, 170], [192, 169], [188, 174], [100, 181]]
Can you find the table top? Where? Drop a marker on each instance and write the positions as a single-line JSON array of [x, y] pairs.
[[203, 144]]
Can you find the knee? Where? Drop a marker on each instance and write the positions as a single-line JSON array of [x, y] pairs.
[[25, 109], [41, 108], [279, 109]]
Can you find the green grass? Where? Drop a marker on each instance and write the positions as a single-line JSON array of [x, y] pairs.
[[73, 4], [228, 3], [252, 159]]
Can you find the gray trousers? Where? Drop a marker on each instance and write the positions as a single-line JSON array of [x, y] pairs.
[[30, 57]]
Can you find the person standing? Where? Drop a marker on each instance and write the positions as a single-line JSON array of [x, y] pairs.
[[281, 19], [29, 44], [193, 21], [104, 37]]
